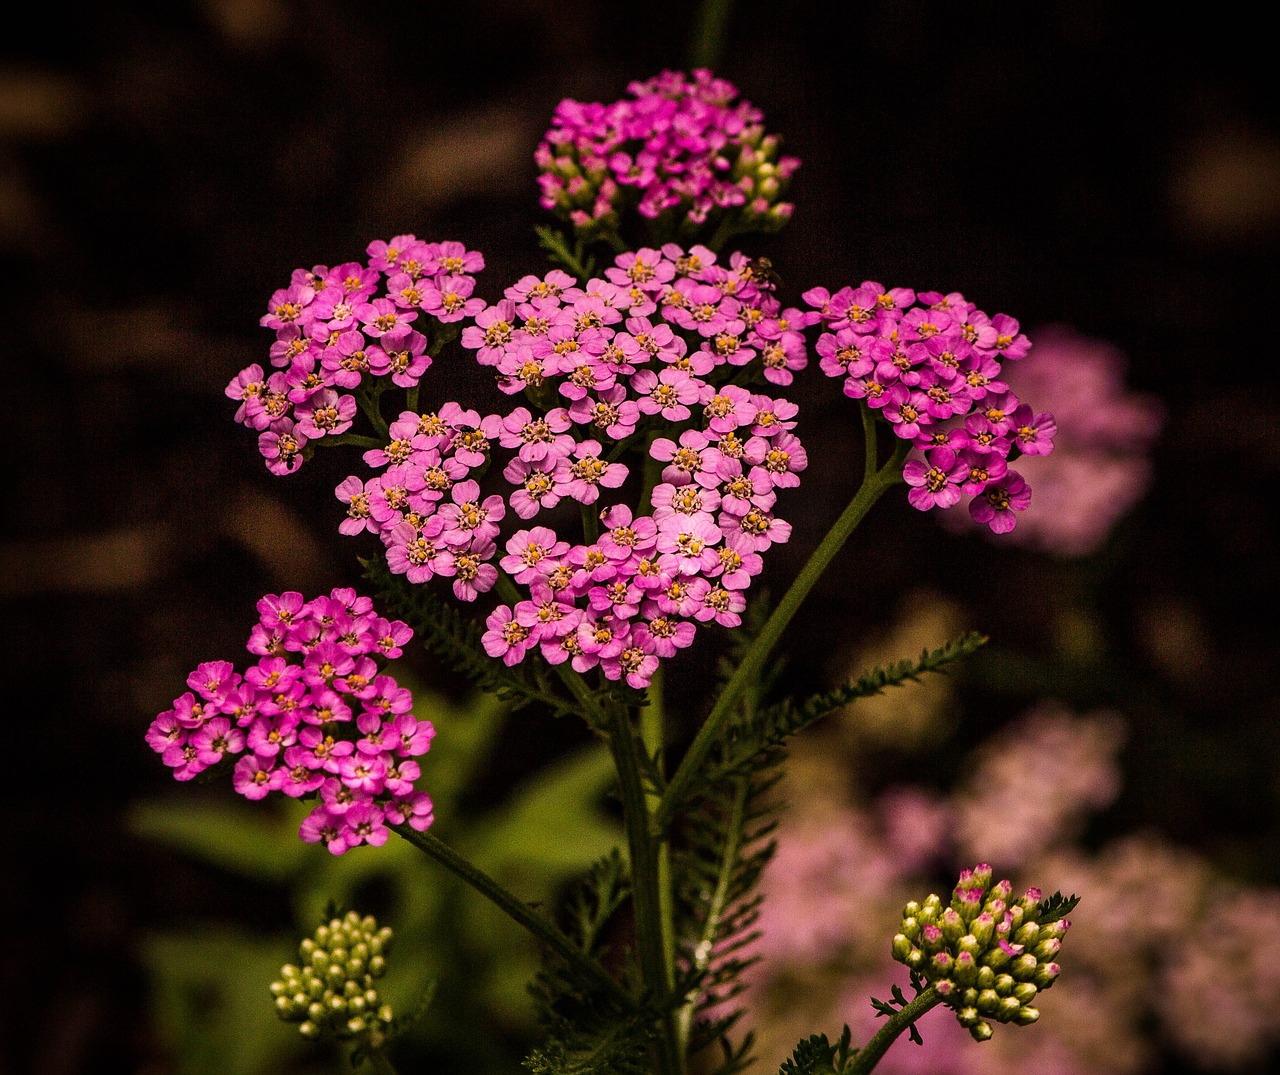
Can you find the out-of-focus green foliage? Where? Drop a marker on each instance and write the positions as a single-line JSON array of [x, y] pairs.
[[212, 1005]]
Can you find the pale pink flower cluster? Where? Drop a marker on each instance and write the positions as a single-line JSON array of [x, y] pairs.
[[1070, 763], [1173, 958], [314, 717], [338, 329], [932, 365], [638, 357], [1101, 464], [678, 148]]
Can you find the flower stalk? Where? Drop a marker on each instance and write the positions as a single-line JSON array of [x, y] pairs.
[[876, 482]]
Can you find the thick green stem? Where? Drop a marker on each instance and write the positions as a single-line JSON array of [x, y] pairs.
[[876, 482], [869, 1055], [654, 948], [707, 43], [653, 738], [515, 908]]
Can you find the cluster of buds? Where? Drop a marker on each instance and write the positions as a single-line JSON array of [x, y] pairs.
[[333, 988], [988, 955], [679, 149]]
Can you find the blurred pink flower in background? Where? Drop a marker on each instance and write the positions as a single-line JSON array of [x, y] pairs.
[[1168, 956], [1100, 465]]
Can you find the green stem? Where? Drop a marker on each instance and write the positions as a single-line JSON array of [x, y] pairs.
[[653, 738], [876, 482], [590, 524], [869, 1055], [719, 898], [445, 333], [515, 908], [358, 439], [707, 44], [369, 404], [649, 476], [656, 968], [378, 1063], [726, 230]]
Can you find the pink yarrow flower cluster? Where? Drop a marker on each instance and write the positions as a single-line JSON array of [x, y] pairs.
[[340, 329], [679, 147], [315, 717], [931, 364], [1101, 465], [636, 357]]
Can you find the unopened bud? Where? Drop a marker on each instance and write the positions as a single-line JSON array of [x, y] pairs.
[[981, 1031], [333, 986], [901, 947], [985, 953]]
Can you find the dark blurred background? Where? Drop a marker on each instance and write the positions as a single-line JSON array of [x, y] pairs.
[[164, 167]]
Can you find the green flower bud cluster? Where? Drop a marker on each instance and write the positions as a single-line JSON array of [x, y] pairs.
[[333, 987], [763, 177], [987, 954]]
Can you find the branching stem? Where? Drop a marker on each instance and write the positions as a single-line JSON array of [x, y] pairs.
[[869, 1055], [516, 909], [875, 483]]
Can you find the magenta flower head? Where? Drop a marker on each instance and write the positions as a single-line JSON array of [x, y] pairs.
[[313, 717], [938, 371], [988, 955], [682, 151], [656, 346], [360, 326]]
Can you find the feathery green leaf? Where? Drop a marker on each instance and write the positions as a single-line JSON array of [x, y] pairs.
[[443, 630], [1051, 908]]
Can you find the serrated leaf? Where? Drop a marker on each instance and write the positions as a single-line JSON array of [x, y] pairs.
[[770, 728], [1054, 907]]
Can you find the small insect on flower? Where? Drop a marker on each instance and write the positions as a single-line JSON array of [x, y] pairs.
[[762, 269]]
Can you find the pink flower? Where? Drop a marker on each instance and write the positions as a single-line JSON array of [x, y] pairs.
[[588, 473], [937, 482], [998, 502], [255, 779], [505, 638], [669, 393]]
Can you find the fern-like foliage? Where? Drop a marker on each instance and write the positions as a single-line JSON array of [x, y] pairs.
[[749, 740], [720, 847], [573, 259], [816, 1055], [586, 1033], [1051, 908], [722, 839], [446, 632], [899, 1001]]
